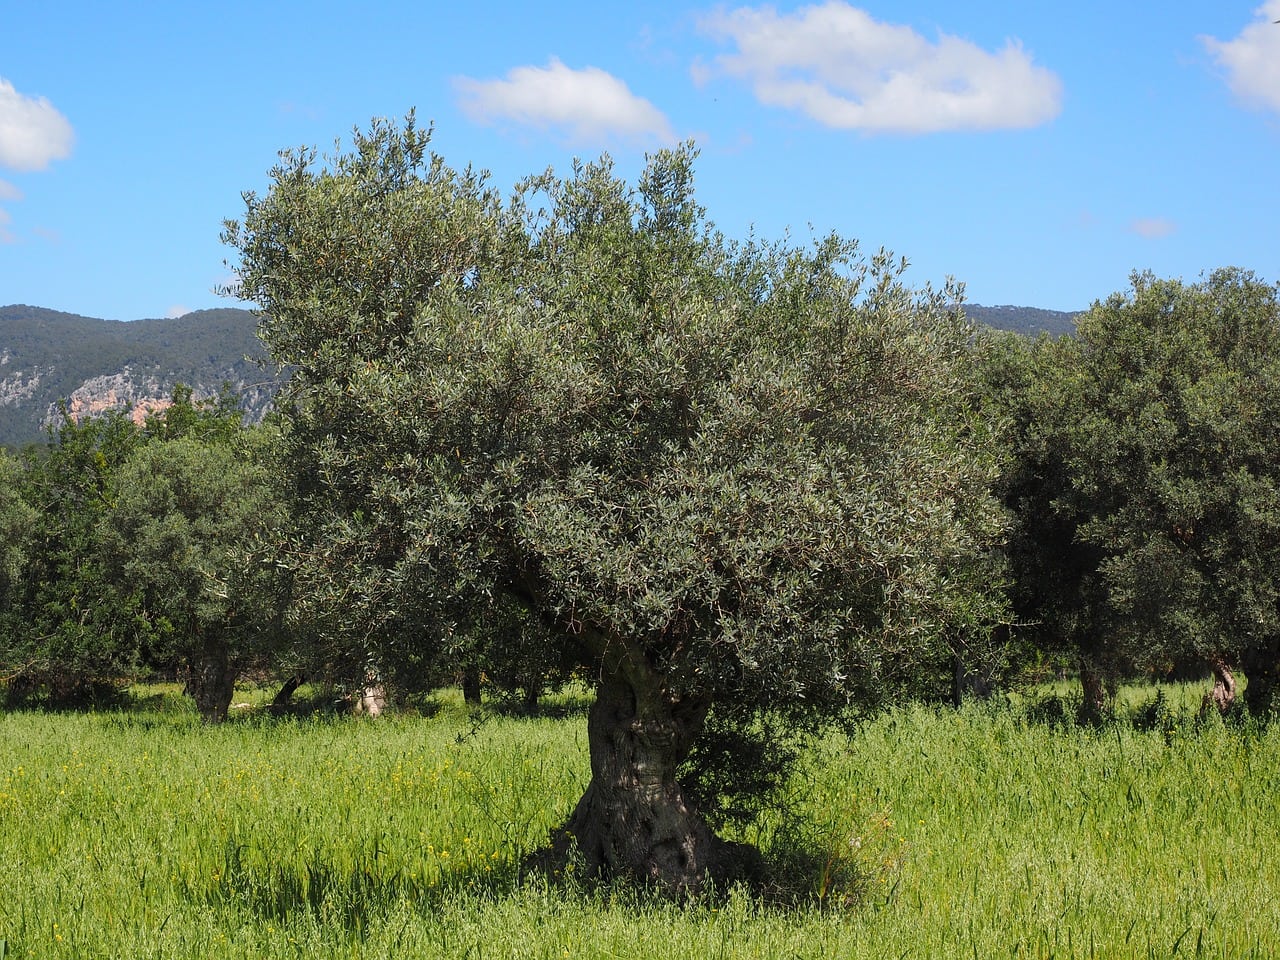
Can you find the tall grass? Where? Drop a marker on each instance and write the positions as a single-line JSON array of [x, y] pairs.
[[982, 833]]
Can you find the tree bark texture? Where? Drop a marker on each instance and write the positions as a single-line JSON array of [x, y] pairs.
[[1223, 695], [212, 681], [1097, 693], [634, 820]]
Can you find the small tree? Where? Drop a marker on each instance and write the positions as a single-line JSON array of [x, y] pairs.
[[192, 532], [17, 521], [1055, 589], [740, 483], [69, 632]]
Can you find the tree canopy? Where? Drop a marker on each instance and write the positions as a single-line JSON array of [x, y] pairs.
[[731, 478]]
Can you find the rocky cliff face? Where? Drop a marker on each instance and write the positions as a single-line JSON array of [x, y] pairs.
[[117, 391], [50, 359]]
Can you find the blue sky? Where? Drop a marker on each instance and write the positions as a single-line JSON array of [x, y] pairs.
[[1037, 152]]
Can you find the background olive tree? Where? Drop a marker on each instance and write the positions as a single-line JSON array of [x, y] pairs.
[[192, 533], [69, 633], [742, 484], [1145, 483]]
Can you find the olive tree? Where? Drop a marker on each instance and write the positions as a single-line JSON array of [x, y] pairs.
[[69, 633], [192, 533], [1146, 486], [742, 484], [17, 521]]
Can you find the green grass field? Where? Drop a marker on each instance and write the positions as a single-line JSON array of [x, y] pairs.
[[987, 832]]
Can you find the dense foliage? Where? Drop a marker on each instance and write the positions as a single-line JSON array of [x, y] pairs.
[[1144, 480], [138, 550]]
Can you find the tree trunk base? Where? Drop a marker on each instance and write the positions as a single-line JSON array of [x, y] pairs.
[[634, 822], [1095, 705], [212, 683], [658, 843], [1222, 697]]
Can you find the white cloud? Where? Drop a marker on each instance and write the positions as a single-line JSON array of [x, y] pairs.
[[177, 310], [845, 69], [1252, 59], [9, 192], [587, 105], [32, 132], [1153, 228]]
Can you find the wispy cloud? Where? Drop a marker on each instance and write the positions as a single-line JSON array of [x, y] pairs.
[[32, 131], [1251, 61], [587, 106], [1153, 228], [7, 192], [845, 69]]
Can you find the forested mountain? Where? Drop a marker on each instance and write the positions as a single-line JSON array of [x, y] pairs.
[[47, 356], [1031, 321]]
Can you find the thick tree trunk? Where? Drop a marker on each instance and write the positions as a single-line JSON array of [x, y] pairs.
[[1097, 694], [471, 687], [1261, 667], [1223, 695], [634, 820], [212, 681]]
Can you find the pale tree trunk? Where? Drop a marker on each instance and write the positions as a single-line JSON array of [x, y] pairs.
[[371, 699], [1223, 695], [212, 681], [634, 820]]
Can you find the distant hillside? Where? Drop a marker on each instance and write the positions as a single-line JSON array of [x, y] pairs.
[[47, 357], [1029, 320]]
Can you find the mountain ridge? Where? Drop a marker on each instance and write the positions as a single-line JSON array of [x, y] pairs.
[[48, 358]]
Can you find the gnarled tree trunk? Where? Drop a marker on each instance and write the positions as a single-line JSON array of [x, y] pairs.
[[1223, 695], [634, 820], [1096, 685], [212, 681]]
